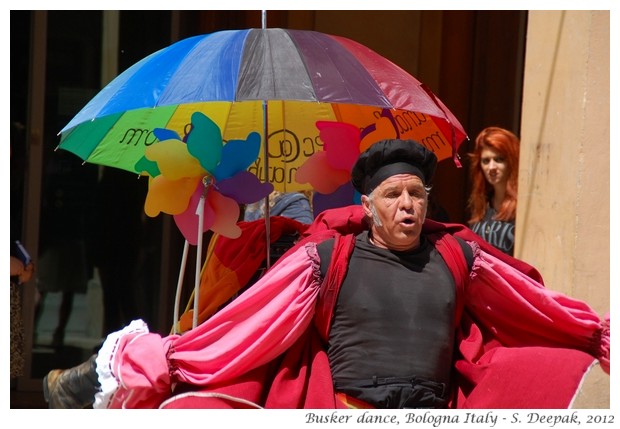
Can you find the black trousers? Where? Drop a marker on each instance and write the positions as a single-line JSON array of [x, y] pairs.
[[396, 392]]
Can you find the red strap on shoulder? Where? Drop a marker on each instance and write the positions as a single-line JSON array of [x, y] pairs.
[[452, 253], [343, 247]]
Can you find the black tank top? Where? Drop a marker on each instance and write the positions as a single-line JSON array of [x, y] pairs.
[[394, 316]]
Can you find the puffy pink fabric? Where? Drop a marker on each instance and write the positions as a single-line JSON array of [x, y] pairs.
[[519, 311], [522, 345], [142, 371], [244, 335]]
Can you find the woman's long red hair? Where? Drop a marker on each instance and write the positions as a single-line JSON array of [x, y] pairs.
[[507, 144]]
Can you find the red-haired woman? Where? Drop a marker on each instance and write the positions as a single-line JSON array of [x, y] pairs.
[[494, 172]]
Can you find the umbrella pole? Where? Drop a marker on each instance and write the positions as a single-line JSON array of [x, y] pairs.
[[266, 164], [267, 221], [177, 298]]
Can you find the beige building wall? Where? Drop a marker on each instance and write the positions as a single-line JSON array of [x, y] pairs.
[[563, 220]]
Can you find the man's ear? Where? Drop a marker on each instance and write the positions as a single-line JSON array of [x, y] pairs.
[[366, 206]]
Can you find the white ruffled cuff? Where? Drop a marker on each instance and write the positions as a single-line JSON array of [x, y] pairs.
[[105, 359]]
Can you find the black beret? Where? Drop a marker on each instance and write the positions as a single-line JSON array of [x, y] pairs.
[[389, 157]]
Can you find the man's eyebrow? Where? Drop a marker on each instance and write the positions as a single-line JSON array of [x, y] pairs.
[[396, 187]]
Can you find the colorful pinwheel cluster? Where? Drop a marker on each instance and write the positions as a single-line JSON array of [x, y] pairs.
[[182, 172]]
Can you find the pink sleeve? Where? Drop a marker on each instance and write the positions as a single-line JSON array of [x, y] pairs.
[[521, 312], [255, 328]]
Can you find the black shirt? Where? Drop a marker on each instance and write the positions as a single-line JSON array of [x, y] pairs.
[[394, 316]]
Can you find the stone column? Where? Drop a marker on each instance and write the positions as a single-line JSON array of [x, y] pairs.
[[563, 215]]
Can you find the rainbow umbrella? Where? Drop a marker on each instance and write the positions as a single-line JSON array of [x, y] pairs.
[[276, 88], [276, 82]]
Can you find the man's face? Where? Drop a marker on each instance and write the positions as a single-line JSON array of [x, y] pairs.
[[398, 209]]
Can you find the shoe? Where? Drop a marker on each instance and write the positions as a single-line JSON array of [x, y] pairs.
[[72, 388]]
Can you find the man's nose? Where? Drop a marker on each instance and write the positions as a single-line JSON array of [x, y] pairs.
[[406, 200]]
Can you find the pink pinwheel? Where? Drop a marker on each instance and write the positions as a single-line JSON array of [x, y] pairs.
[[181, 172], [329, 171]]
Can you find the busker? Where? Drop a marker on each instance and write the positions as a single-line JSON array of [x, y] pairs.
[[375, 307]]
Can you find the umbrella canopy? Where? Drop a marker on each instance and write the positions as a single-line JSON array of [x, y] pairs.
[[276, 82]]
